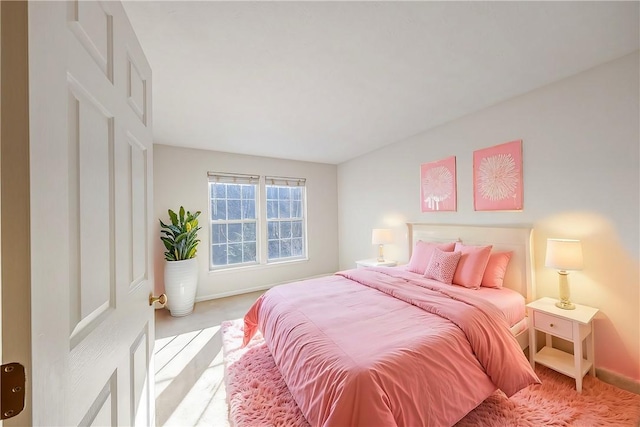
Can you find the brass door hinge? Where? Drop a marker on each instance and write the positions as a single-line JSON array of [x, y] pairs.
[[12, 383]]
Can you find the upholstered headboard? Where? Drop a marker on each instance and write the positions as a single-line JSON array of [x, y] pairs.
[[519, 275]]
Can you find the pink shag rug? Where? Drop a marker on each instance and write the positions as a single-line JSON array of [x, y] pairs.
[[258, 396]]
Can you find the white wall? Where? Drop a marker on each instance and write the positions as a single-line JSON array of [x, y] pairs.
[[180, 178], [581, 180]]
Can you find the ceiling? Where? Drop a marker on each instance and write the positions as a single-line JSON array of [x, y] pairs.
[[329, 81]]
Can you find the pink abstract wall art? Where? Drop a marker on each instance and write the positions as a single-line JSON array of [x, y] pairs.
[[497, 177], [438, 185]]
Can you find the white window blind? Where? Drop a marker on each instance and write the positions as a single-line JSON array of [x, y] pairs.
[[233, 178], [286, 182]]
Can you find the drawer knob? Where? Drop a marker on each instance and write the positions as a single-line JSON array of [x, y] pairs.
[[551, 325]]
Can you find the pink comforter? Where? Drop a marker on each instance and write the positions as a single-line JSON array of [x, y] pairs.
[[383, 347]]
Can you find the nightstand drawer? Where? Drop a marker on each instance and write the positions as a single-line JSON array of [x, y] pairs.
[[553, 325]]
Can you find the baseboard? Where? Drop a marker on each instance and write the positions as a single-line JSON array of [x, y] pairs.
[[255, 289], [618, 380], [232, 293]]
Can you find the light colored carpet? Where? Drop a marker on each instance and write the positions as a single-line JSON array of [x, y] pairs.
[[258, 396]]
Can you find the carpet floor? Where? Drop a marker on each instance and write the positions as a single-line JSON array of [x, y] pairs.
[[258, 396]]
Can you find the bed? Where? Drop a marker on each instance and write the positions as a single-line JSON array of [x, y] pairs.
[[387, 346]]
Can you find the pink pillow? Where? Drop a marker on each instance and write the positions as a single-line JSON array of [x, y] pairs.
[[496, 269], [422, 252], [442, 266], [471, 265]]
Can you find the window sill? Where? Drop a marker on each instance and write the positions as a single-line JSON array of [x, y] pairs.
[[258, 266]]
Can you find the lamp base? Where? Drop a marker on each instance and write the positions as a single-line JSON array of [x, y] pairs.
[[564, 302], [565, 305]]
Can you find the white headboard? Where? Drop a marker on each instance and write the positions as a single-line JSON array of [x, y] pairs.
[[519, 275]]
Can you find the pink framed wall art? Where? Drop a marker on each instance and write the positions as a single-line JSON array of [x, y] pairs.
[[497, 177], [438, 185]]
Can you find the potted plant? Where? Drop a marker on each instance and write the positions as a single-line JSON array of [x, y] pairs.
[[181, 269]]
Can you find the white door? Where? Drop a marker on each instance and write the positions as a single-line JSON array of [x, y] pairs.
[[90, 193]]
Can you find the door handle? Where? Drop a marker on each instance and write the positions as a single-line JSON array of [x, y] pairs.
[[162, 299]]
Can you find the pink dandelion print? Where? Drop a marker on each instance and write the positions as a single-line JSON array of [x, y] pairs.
[[498, 177], [438, 185]]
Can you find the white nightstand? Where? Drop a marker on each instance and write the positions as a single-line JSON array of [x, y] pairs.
[[571, 325], [375, 263]]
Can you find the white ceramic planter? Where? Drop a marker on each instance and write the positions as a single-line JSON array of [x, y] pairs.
[[180, 284]]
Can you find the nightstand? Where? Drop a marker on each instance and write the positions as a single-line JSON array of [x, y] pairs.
[[375, 263], [571, 325]]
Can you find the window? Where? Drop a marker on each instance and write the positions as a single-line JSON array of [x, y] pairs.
[[248, 229], [285, 218], [234, 219]]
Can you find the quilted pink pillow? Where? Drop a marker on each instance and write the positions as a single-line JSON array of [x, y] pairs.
[[442, 266], [422, 252], [471, 265], [496, 269]]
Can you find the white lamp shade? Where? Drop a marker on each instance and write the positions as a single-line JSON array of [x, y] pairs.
[[564, 254], [381, 236]]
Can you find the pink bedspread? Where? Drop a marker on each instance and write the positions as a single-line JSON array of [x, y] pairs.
[[377, 347]]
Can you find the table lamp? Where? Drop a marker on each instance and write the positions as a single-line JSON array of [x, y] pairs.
[[564, 255], [381, 237]]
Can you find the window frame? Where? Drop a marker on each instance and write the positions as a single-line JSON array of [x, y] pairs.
[[229, 178], [289, 183], [262, 236]]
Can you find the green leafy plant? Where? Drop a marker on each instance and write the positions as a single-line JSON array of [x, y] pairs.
[[180, 237]]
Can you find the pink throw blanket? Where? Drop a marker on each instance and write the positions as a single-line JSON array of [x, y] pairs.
[[372, 347]]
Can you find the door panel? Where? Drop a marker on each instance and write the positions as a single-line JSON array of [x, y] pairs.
[[90, 187], [93, 27], [103, 410], [137, 91], [91, 260], [139, 236], [140, 357]]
